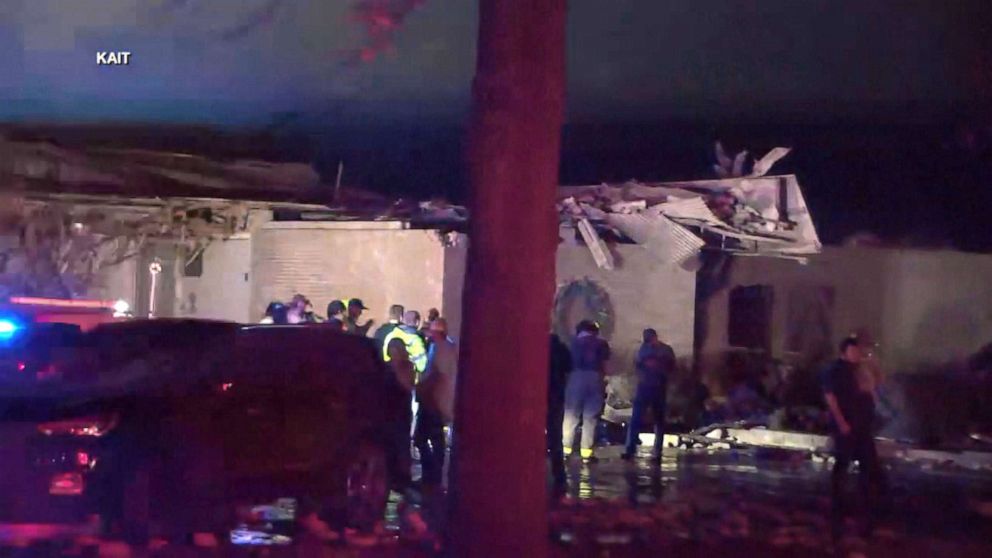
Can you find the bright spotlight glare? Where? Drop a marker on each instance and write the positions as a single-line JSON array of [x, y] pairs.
[[8, 328], [122, 307]]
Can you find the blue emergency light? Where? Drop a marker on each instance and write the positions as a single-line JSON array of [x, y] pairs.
[[8, 328]]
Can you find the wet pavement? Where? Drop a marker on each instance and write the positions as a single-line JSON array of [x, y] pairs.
[[737, 503], [722, 503]]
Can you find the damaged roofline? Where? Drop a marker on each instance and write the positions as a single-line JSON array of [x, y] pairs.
[[754, 215]]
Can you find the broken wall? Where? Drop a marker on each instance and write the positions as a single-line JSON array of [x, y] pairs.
[[116, 282], [925, 308], [844, 287], [928, 311], [220, 286]]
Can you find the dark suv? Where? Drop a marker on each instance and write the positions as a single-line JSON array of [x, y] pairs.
[[173, 427]]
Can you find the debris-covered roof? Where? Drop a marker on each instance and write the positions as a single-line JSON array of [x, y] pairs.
[[43, 166], [35, 169], [747, 215]]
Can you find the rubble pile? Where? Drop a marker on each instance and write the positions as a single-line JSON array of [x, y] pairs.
[[754, 214]]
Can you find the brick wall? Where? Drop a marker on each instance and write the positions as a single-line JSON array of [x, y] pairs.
[[327, 261]]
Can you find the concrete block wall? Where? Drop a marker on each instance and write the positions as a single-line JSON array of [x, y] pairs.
[[381, 263]]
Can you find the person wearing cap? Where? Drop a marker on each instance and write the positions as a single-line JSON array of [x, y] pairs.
[[395, 319], [585, 392], [355, 309], [655, 363]]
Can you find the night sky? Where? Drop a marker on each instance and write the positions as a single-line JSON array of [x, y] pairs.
[[862, 89]]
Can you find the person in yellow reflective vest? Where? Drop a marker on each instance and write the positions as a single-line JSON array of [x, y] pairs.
[[415, 346]]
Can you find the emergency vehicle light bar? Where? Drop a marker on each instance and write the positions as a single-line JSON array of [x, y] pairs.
[[63, 302]]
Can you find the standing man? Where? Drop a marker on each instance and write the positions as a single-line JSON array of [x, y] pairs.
[[436, 396], [425, 328], [585, 391], [558, 368], [407, 331], [655, 363], [335, 315], [297, 310], [395, 317], [276, 313], [852, 409], [335, 310], [355, 309], [442, 359]]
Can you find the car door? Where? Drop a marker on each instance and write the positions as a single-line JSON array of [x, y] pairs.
[[316, 404], [252, 413]]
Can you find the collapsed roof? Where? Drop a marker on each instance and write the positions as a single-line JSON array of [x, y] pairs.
[[745, 215], [752, 216]]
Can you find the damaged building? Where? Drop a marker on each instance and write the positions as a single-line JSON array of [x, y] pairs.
[[179, 235], [929, 313], [638, 255]]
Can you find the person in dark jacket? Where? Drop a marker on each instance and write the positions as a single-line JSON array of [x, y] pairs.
[[276, 313], [395, 319], [354, 312], [852, 408], [585, 389], [655, 364], [558, 368]]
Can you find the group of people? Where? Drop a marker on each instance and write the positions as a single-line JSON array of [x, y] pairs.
[[576, 397], [423, 361], [576, 394], [344, 315]]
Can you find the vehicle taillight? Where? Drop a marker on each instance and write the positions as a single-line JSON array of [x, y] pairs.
[[46, 373], [95, 426], [66, 484], [82, 459]]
